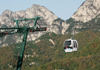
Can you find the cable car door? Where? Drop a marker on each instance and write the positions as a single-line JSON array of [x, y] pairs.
[[75, 45]]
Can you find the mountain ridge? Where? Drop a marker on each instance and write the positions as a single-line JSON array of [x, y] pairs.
[[58, 27], [86, 16], [87, 11]]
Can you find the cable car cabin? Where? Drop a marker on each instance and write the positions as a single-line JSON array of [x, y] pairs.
[[70, 45]]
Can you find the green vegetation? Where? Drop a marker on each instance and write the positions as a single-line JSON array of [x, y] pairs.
[[72, 23], [71, 20], [93, 24], [47, 57], [59, 19]]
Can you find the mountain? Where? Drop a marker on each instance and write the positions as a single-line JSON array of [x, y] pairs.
[[87, 17], [50, 20], [46, 52], [87, 11], [35, 10]]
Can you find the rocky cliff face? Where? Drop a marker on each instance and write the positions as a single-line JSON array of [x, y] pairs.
[[87, 11], [35, 10]]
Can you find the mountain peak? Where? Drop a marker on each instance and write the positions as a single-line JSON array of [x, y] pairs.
[[35, 10], [87, 11], [35, 5], [7, 13]]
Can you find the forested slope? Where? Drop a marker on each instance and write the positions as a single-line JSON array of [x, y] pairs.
[[46, 56]]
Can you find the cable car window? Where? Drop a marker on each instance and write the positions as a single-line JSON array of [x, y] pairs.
[[67, 43], [74, 43], [68, 47]]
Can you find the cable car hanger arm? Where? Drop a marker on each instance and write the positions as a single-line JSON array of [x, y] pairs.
[[25, 19], [22, 29]]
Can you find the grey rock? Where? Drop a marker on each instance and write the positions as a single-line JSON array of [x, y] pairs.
[[35, 10]]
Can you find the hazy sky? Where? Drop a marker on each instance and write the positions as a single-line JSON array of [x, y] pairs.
[[62, 8]]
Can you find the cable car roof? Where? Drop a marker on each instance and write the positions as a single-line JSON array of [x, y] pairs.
[[70, 40]]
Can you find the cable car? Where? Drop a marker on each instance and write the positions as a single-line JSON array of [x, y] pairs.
[[70, 45]]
